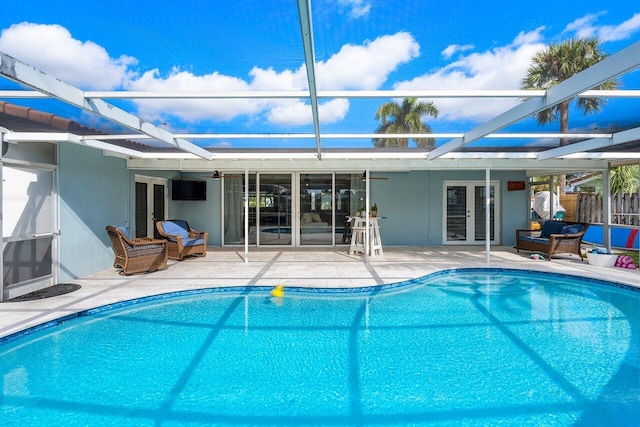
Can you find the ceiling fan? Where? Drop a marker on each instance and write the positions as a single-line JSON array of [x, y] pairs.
[[218, 175]]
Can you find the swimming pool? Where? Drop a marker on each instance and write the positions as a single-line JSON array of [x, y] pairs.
[[469, 347]]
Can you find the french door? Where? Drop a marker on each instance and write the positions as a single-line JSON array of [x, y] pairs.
[[465, 213], [151, 205]]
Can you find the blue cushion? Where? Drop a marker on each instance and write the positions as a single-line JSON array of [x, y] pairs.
[[551, 227], [571, 229], [125, 232], [191, 241], [177, 228], [532, 239]]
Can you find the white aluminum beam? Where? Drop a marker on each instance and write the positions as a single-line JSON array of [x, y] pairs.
[[304, 11], [18, 137], [609, 68], [617, 138], [22, 73], [538, 135], [354, 164], [297, 94]]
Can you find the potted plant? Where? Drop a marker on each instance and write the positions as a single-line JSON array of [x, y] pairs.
[[374, 209]]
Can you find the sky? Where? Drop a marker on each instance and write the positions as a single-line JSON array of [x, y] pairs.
[[255, 45]]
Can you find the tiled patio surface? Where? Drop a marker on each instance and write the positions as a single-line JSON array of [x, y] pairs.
[[323, 268]]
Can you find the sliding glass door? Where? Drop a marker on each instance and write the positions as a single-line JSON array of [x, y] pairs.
[[302, 209], [273, 207], [316, 209]]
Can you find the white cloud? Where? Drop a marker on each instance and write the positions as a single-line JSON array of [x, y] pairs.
[[297, 113], [356, 8], [52, 49], [366, 66], [500, 68], [192, 110], [587, 27], [269, 79], [85, 64], [455, 48], [583, 27], [620, 32]]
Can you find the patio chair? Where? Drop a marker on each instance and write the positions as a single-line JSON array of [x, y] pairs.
[[136, 255], [182, 240], [554, 237]]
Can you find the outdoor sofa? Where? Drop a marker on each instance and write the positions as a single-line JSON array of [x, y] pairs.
[[182, 240], [136, 255], [552, 238]]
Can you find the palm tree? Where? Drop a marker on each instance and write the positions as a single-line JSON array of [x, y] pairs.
[[556, 63], [623, 180], [405, 118]]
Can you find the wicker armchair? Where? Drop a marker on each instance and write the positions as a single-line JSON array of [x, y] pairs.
[[554, 237], [182, 240], [136, 255]]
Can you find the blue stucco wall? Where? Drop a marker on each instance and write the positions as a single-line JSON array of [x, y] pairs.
[[412, 205], [94, 191], [202, 215]]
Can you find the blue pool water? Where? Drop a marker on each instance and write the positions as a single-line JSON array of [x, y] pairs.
[[473, 347]]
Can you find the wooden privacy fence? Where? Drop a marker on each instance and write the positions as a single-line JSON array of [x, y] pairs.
[[625, 208]]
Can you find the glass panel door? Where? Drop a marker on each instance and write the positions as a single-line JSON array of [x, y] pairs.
[[273, 205], [480, 229], [141, 209], [350, 197], [159, 191], [456, 213], [316, 209], [234, 209]]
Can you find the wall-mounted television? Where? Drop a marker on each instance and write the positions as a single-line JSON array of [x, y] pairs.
[[188, 190]]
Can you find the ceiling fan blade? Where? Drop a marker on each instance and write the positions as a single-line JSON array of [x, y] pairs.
[[218, 175]]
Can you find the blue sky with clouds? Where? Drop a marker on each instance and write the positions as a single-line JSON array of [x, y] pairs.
[[255, 45]]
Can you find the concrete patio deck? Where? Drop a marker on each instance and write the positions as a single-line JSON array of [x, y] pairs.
[[300, 267]]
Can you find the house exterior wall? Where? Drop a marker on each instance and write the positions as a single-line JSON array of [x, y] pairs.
[[203, 215], [97, 190], [94, 191], [412, 204]]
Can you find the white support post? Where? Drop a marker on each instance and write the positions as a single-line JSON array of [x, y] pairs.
[[367, 199], [1, 216], [246, 216], [606, 202], [552, 196], [487, 211]]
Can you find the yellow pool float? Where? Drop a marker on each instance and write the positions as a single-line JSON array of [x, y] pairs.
[[278, 291]]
